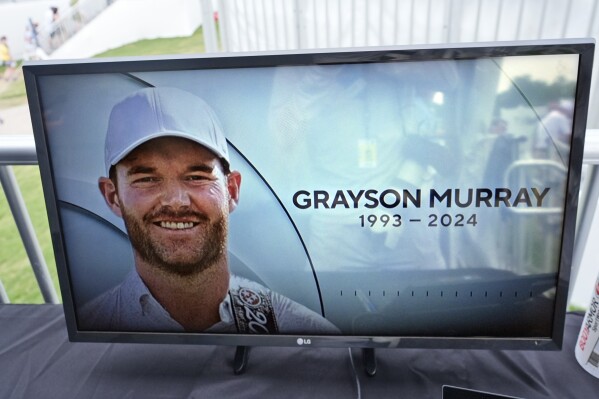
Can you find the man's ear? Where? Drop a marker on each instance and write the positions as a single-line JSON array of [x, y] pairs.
[[233, 186], [109, 192]]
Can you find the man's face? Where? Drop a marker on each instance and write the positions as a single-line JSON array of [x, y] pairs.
[[175, 200]]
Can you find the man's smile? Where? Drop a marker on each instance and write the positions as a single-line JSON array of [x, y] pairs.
[[176, 225], [176, 221]]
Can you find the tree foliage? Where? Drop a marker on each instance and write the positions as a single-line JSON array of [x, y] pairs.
[[525, 90]]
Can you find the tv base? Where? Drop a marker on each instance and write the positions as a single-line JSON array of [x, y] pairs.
[[241, 359], [242, 354], [369, 359]]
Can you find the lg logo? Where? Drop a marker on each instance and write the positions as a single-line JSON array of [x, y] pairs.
[[304, 341]]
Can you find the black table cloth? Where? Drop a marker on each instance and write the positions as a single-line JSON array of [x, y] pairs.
[[38, 361]]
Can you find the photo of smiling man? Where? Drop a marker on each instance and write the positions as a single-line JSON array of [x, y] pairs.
[[168, 177]]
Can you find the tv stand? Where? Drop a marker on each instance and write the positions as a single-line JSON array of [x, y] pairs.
[[241, 359], [369, 359], [242, 353]]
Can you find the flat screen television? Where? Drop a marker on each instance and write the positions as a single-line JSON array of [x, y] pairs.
[[379, 197]]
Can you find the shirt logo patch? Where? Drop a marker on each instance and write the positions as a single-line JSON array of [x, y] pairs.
[[249, 297], [253, 311]]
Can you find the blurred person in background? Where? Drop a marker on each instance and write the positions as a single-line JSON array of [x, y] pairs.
[[33, 50], [7, 61]]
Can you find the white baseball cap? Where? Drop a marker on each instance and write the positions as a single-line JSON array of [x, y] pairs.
[[158, 112]]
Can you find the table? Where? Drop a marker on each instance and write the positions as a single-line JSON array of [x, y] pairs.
[[38, 361]]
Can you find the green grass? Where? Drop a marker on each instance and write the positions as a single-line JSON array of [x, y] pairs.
[[179, 45], [13, 94], [15, 270], [16, 273]]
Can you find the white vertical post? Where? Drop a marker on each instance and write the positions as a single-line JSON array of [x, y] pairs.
[[224, 25], [478, 12], [276, 22], [498, 20], [542, 19], [448, 20], [566, 18], [300, 23], [3, 294], [327, 24], [366, 22], [429, 13], [396, 23], [352, 25], [210, 41], [256, 30], [412, 19], [520, 13], [592, 19]]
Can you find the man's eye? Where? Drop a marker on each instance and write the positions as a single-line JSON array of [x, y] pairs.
[[147, 179], [197, 178]]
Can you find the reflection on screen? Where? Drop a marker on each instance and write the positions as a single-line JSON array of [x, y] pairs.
[[425, 188]]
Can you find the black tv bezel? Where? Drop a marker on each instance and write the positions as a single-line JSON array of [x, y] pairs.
[[583, 47]]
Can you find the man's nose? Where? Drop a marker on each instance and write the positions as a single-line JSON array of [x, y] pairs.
[[175, 195]]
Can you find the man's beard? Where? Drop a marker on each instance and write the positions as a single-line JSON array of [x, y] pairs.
[[179, 257]]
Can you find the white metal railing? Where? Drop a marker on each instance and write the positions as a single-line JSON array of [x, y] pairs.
[[253, 25], [20, 150], [70, 21]]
